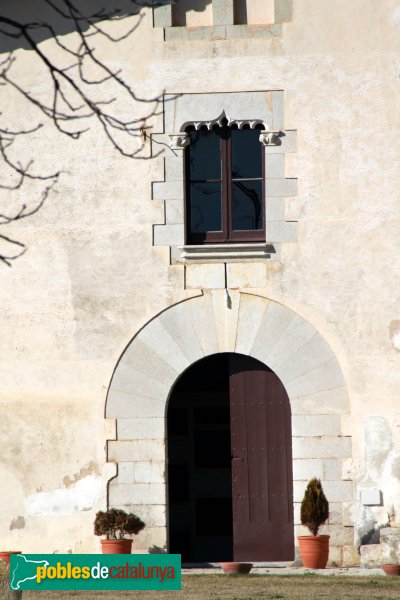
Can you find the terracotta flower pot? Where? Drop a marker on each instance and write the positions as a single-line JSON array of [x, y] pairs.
[[314, 550], [391, 569], [6, 555], [116, 546], [236, 568]]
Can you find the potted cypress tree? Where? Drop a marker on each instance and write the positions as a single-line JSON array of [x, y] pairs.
[[314, 548], [116, 524]]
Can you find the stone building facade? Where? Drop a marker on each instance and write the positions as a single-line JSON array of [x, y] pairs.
[[112, 304]]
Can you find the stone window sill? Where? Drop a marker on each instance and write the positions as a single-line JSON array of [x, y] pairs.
[[226, 252]]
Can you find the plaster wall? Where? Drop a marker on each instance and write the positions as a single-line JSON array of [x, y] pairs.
[[92, 278]]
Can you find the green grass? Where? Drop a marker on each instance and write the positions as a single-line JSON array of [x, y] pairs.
[[309, 586]]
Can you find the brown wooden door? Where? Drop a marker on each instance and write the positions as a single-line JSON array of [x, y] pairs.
[[262, 481]]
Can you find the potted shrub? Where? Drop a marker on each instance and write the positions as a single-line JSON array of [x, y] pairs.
[[5, 555], [116, 524], [236, 568], [314, 548], [391, 569]]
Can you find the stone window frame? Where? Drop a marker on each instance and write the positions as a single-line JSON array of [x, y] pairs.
[[223, 23], [243, 107], [226, 178]]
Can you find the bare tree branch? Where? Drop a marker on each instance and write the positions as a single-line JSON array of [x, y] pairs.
[[83, 87]]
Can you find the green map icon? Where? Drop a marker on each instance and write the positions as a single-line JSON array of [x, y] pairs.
[[24, 570]]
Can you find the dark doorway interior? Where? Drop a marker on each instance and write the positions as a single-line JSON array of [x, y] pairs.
[[199, 463], [230, 463]]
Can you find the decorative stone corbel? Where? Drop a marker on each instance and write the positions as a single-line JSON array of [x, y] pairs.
[[178, 140], [270, 138]]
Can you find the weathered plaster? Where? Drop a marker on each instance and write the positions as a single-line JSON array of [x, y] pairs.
[[91, 278]]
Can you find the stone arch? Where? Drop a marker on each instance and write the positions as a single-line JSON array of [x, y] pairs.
[[208, 324]]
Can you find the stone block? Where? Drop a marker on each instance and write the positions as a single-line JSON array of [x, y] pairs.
[[339, 535], [326, 447], [335, 556], [141, 357], [125, 472], [131, 381], [275, 321], [302, 350], [351, 556], [162, 16], [349, 513], [332, 469], [174, 212], [282, 231], [390, 544], [324, 377], [225, 307], [306, 469], [288, 349], [154, 515], [339, 491], [110, 429], [250, 317], [167, 190], [274, 166], [201, 314], [222, 12], [136, 450], [281, 187], [300, 530], [217, 32], [275, 209], [162, 342], [174, 170], [200, 106], [149, 472], [176, 321], [149, 538], [122, 404], [278, 104], [370, 556], [315, 425], [168, 235], [137, 493], [246, 275], [335, 513], [141, 428], [331, 401], [283, 11], [205, 276]]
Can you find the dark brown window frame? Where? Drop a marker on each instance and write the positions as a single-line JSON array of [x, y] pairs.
[[227, 235]]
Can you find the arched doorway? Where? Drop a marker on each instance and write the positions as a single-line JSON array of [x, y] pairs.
[[230, 485]]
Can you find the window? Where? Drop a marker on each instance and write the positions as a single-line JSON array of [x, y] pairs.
[[225, 184]]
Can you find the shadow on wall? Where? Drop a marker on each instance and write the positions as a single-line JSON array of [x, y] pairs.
[[43, 21], [186, 13]]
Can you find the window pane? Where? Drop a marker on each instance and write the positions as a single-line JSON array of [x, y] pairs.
[[246, 153], [204, 155], [247, 205], [205, 207]]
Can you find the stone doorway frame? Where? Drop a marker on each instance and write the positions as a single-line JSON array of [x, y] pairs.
[[208, 324]]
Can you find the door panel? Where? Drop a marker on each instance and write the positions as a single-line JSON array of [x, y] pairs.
[[262, 493]]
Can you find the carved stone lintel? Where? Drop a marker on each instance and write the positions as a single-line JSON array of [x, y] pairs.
[[179, 140], [239, 123], [270, 138]]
